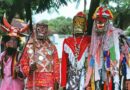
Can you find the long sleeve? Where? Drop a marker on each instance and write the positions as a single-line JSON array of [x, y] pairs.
[[24, 62], [56, 65], [64, 67]]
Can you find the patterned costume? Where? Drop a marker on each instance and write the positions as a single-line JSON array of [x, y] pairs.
[[44, 54], [124, 63], [11, 73], [104, 51], [74, 56]]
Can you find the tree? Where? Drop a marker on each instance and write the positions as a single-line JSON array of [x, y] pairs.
[[60, 25], [94, 4], [24, 8], [121, 10]]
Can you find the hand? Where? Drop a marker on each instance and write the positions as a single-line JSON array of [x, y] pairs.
[[33, 67]]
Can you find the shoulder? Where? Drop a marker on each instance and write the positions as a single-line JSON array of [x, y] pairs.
[[69, 39], [87, 37]]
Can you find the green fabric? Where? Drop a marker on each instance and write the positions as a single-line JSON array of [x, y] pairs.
[[112, 53]]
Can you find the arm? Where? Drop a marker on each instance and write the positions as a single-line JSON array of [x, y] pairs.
[[24, 62], [64, 67], [56, 65]]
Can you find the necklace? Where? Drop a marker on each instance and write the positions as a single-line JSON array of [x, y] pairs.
[[77, 49]]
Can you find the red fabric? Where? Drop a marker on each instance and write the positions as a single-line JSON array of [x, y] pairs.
[[70, 42], [56, 66], [110, 84], [44, 76], [42, 79], [100, 12], [64, 67], [25, 63], [81, 14]]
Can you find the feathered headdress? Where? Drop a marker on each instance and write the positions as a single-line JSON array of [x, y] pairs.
[[102, 14]]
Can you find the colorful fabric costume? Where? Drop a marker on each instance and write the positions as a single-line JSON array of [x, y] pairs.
[[11, 73], [105, 50], [73, 70], [124, 63], [47, 62], [74, 57]]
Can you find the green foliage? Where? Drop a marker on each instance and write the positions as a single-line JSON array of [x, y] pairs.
[[9, 2], [121, 12], [24, 7], [1, 12], [60, 25], [128, 31]]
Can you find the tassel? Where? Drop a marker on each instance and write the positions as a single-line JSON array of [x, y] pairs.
[[112, 53], [124, 70], [98, 52], [108, 59], [92, 82], [91, 62]]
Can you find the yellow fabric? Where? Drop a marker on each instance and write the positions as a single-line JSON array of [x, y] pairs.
[[92, 82]]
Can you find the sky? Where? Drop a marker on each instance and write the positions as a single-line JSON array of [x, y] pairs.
[[67, 11]]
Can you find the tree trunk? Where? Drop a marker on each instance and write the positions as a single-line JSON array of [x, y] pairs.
[[11, 13], [121, 20], [29, 13], [16, 8], [94, 4]]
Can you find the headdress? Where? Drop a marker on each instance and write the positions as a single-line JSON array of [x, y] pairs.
[[102, 14], [13, 30]]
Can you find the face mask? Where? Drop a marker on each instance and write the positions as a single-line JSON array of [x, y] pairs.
[[100, 27], [79, 24], [41, 31]]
